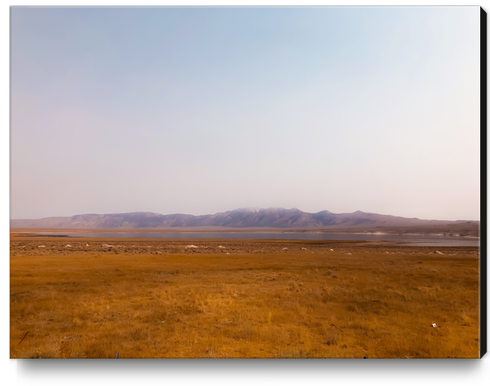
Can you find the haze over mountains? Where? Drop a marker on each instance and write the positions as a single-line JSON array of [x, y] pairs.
[[243, 218]]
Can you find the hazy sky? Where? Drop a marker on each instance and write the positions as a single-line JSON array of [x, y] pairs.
[[202, 110]]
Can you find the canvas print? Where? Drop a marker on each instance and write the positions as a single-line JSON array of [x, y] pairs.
[[245, 182]]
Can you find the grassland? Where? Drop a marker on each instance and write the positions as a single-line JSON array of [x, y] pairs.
[[155, 298]]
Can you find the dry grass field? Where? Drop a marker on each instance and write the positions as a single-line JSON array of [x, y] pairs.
[[155, 298]]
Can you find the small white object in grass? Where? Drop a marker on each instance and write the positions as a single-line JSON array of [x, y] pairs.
[[87, 245], [434, 325], [191, 246], [304, 249], [284, 249], [220, 246], [331, 250], [42, 246], [67, 246], [107, 246]]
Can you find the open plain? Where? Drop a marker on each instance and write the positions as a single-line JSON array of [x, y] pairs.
[[207, 298]]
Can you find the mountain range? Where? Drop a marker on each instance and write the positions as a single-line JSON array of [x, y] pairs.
[[241, 218]]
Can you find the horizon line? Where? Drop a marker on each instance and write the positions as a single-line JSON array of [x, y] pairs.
[[242, 208]]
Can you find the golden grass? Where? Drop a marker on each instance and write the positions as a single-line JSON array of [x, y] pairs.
[[291, 304]]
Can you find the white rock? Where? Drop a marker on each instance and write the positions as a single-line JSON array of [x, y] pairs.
[[434, 325], [191, 246], [42, 246]]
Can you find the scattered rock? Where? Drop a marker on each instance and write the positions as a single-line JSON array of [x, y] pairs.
[[191, 246]]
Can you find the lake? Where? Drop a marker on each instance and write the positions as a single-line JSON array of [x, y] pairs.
[[416, 240]]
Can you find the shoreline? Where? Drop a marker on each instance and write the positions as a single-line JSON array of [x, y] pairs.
[[403, 239], [66, 245], [235, 230]]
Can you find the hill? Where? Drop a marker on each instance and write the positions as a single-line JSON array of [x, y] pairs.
[[257, 218]]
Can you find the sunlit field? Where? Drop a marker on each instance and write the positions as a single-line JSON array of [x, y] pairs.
[[149, 298]]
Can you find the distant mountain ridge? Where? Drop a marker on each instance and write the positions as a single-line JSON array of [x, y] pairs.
[[238, 218]]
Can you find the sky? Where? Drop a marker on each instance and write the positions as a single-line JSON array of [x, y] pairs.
[[204, 110]]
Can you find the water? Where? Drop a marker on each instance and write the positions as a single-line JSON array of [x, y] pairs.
[[415, 240]]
